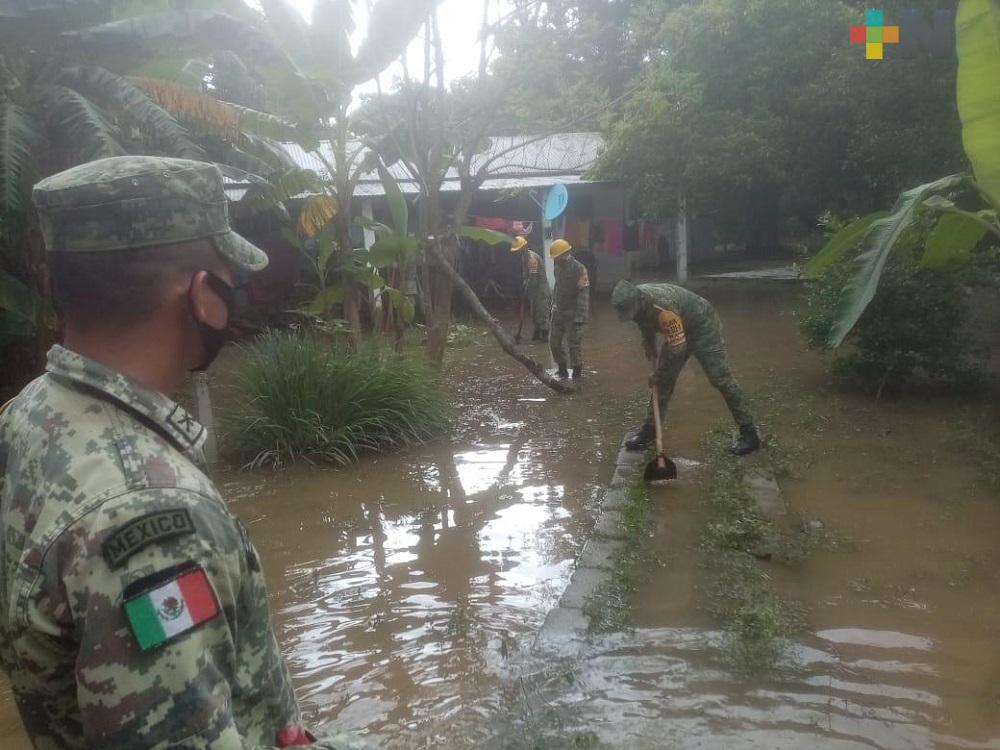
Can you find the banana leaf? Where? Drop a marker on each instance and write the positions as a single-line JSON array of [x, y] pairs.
[[952, 241], [489, 236], [841, 243], [977, 27], [876, 248]]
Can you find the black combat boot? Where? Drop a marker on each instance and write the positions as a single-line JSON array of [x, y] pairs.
[[642, 439], [562, 372], [577, 373], [747, 442]]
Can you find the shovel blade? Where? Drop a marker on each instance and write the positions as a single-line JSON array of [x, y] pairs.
[[660, 469]]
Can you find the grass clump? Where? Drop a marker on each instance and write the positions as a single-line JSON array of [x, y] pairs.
[[610, 609], [302, 398], [740, 594]]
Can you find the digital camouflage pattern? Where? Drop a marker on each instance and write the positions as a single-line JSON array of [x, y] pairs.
[[570, 311], [128, 202], [689, 325], [536, 289], [92, 464]]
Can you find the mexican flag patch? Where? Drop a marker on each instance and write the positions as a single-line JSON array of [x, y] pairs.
[[171, 608]]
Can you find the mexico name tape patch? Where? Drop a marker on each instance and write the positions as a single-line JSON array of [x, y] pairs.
[[172, 608], [143, 531]]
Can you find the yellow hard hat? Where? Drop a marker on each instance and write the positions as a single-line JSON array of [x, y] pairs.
[[559, 247], [519, 244]]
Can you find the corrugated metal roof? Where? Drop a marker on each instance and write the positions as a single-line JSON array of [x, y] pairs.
[[513, 163]]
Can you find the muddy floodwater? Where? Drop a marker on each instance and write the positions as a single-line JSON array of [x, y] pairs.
[[407, 591]]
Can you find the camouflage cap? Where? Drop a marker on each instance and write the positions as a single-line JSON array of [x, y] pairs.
[[625, 299], [129, 202]]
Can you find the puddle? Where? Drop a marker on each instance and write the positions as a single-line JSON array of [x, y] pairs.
[[407, 591]]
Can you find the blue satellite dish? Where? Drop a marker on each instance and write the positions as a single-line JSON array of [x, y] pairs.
[[556, 202]]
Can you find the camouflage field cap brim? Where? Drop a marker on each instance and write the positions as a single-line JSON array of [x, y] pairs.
[[133, 202], [625, 299]]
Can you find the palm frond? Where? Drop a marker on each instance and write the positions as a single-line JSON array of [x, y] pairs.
[[125, 96], [18, 135], [82, 125], [193, 107], [265, 124], [290, 184], [268, 151], [231, 122]]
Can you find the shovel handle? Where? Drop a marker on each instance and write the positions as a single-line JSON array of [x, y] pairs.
[[657, 422]]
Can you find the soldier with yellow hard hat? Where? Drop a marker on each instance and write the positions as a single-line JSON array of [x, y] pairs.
[[535, 290], [570, 309]]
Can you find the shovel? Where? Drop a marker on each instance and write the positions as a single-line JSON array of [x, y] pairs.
[[661, 468]]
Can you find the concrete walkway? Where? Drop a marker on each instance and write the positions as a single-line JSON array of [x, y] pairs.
[[565, 628]]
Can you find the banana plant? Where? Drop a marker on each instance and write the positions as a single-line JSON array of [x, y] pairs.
[[966, 206]]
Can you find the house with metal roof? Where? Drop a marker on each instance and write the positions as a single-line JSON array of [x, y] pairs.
[[516, 173]]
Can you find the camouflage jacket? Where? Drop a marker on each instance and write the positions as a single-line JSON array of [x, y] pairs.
[[536, 286], [103, 509], [677, 312], [572, 292]]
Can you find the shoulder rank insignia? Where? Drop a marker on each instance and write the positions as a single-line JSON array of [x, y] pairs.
[[143, 531], [164, 606], [672, 328]]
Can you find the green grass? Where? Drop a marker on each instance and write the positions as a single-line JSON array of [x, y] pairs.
[[302, 398], [739, 593], [610, 609]]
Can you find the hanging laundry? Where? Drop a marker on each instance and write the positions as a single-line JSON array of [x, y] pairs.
[[614, 237], [497, 225]]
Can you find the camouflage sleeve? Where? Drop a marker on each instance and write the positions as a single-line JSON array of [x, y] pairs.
[[170, 613], [582, 297]]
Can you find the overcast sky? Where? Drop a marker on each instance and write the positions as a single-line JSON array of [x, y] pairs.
[[460, 22]]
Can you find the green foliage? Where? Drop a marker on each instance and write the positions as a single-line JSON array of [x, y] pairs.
[[915, 330], [611, 607], [489, 236], [877, 245], [23, 312], [17, 139], [759, 141], [952, 241], [958, 231], [843, 241], [739, 592], [302, 399], [978, 35]]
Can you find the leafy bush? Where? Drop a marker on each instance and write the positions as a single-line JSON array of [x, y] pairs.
[[302, 398], [915, 330]]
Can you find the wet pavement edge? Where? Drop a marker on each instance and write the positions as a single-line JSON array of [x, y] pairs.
[[566, 626]]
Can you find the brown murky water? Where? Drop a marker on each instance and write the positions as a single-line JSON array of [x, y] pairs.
[[407, 591]]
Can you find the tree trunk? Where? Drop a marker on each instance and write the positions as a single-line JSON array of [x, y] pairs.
[[503, 338], [439, 322]]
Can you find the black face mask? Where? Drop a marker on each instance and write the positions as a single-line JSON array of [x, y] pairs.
[[213, 339]]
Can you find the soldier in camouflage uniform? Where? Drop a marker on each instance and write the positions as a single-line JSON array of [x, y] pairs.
[[133, 609], [689, 325], [535, 289], [570, 309]]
